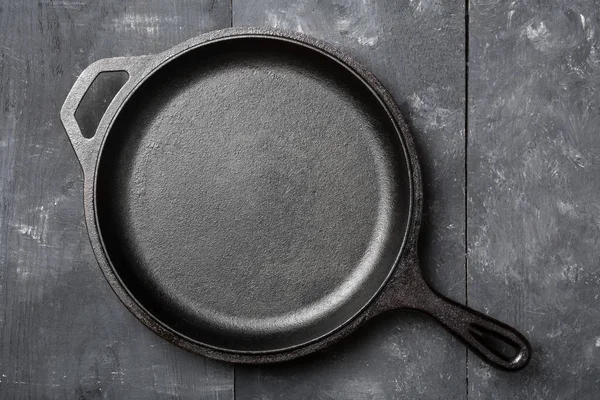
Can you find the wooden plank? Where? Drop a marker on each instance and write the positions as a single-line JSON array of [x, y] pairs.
[[417, 49], [533, 188], [64, 334]]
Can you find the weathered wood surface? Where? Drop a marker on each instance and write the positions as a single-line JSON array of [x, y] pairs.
[[533, 215], [417, 50], [534, 191], [64, 334]]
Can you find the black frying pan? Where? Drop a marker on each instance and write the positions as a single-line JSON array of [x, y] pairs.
[[254, 195]]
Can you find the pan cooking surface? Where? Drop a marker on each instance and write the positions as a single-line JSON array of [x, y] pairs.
[[253, 195], [248, 197]]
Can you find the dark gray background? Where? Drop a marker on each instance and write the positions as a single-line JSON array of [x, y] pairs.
[[512, 185]]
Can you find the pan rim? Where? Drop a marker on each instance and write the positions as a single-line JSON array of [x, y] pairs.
[[367, 80]]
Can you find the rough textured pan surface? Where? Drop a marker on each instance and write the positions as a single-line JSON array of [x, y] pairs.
[[268, 230], [253, 194], [302, 193]]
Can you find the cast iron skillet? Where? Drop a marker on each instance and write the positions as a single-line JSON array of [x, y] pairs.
[[254, 195]]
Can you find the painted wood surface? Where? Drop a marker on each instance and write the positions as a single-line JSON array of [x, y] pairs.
[[529, 232], [64, 334], [534, 191], [417, 50]]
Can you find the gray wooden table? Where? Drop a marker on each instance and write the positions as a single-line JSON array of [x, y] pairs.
[[504, 104]]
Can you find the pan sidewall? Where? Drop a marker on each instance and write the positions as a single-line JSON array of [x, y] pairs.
[[406, 252]]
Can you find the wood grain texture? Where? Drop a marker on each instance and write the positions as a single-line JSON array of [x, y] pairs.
[[417, 50], [64, 334], [534, 190], [533, 210]]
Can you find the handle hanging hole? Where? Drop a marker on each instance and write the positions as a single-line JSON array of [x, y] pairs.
[[498, 344], [96, 99]]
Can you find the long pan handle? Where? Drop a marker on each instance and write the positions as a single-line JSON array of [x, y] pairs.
[[481, 333], [495, 342]]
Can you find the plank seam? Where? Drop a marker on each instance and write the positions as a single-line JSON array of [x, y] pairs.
[[466, 177]]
